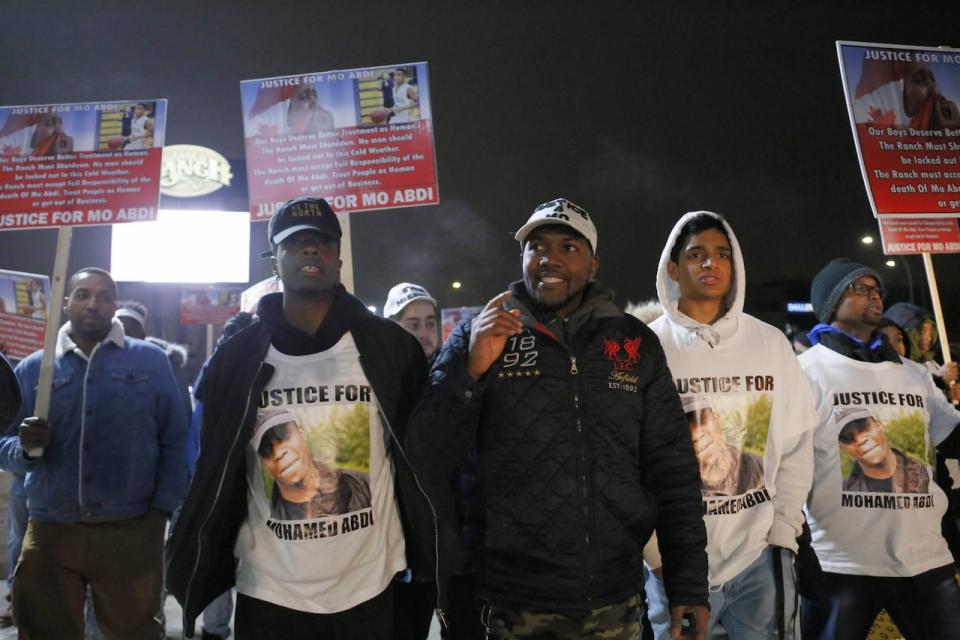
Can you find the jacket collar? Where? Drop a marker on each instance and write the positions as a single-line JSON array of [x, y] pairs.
[[876, 349], [344, 313], [65, 343], [597, 303]]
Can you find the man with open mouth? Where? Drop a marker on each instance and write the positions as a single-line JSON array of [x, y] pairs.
[[905, 566], [303, 496]]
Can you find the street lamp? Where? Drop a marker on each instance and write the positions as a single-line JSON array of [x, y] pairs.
[[891, 263], [906, 267]]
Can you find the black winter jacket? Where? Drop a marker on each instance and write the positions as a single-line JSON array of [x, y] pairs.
[[200, 560], [583, 450]]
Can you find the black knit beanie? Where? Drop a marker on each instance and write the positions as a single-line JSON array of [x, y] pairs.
[[828, 285]]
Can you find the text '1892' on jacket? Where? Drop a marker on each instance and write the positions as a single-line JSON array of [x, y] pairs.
[[583, 449]]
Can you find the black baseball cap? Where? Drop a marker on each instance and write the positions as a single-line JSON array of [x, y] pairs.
[[300, 214]]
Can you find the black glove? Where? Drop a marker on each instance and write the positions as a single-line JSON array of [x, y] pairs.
[[34, 434]]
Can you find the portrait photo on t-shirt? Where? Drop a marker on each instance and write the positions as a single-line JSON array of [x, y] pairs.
[[729, 434], [314, 463], [883, 451]]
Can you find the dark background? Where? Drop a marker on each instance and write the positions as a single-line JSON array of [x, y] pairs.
[[637, 111]]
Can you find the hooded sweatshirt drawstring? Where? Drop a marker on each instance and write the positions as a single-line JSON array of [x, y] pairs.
[[705, 333]]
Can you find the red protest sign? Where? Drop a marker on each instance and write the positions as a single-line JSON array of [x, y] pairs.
[[904, 111], [209, 305], [905, 236], [80, 164], [24, 302], [360, 138]]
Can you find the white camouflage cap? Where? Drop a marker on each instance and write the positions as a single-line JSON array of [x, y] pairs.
[[403, 294], [560, 211]]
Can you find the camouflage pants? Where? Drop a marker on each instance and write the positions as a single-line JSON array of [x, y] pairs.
[[619, 621]]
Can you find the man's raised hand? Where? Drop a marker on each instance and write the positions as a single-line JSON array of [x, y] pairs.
[[489, 333]]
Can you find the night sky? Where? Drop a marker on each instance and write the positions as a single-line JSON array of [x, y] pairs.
[[637, 111]]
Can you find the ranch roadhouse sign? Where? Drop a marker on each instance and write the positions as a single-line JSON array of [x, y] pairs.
[[190, 171]]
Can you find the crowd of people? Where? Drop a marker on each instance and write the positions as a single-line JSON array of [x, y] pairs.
[[557, 468]]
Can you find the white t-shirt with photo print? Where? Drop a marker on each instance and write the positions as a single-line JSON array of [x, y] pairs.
[[861, 525], [750, 411], [322, 533]]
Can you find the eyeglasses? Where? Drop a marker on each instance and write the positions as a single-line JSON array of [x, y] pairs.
[[867, 290]]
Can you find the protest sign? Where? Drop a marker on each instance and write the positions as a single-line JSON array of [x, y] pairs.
[[903, 108], [209, 305], [921, 235], [24, 301], [361, 138], [902, 103], [81, 163]]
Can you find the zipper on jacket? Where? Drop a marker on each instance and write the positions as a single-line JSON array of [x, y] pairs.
[[441, 617], [582, 465], [83, 428], [216, 497]]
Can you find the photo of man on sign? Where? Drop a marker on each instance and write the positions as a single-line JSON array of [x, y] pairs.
[[49, 138], [904, 88]]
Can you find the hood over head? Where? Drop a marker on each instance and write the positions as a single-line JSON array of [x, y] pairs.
[[887, 322], [911, 319], [906, 315], [668, 291]]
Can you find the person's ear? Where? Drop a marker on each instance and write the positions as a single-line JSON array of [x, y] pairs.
[[672, 270]]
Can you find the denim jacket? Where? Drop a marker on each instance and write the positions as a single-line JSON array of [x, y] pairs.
[[118, 433]]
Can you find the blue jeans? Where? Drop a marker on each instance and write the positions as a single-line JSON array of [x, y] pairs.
[[923, 607], [745, 605], [16, 525], [216, 617]]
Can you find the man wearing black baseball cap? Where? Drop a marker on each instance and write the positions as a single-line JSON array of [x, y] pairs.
[[351, 380], [861, 383]]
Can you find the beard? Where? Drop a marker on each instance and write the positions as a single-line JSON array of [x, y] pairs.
[[540, 306]]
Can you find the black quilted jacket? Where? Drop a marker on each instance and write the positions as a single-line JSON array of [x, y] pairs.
[[583, 450]]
